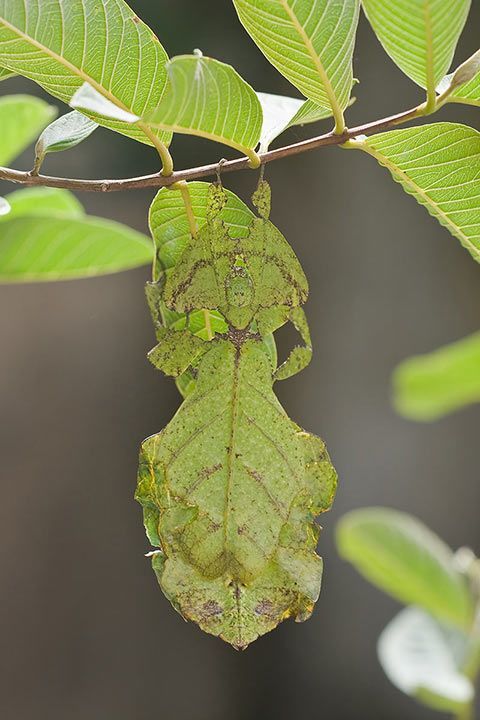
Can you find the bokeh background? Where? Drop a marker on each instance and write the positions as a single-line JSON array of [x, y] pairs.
[[86, 633]]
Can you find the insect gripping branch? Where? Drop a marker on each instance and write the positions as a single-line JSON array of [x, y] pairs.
[[231, 487]]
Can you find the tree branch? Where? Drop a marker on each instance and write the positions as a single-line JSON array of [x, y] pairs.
[[158, 180]]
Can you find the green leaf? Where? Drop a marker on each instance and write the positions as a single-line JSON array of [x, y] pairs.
[[50, 202], [400, 555], [5, 74], [464, 83], [423, 658], [63, 134], [419, 35], [430, 386], [46, 237], [439, 165], [281, 112], [310, 42], [210, 99], [22, 118], [63, 45]]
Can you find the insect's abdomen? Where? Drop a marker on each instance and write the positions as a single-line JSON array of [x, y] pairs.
[[227, 492]]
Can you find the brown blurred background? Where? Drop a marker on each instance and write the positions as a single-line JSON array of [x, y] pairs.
[[86, 633]]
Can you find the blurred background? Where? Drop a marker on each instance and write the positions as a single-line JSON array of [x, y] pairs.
[[86, 632]]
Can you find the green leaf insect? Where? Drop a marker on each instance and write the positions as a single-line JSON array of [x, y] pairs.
[[231, 487]]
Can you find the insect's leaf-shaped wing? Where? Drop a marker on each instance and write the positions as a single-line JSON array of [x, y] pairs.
[[277, 275], [198, 279], [22, 118], [234, 521], [62, 45]]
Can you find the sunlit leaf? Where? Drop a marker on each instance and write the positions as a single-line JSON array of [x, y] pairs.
[[423, 658], [50, 202], [439, 165], [399, 554], [209, 99], [466, 82], [22, 118], [90, 100], [281, 112], [310, 42], [430, 386], [63, 45], [419, 35], [5, 74], [57, 242], [63, 134]]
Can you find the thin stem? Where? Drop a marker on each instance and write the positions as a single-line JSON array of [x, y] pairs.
[[158, 180]]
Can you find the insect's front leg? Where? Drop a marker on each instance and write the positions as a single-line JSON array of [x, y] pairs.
[[177, 350], [301, 355]]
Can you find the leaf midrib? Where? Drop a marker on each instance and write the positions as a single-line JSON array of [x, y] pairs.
[[337, 111], [79, 73], [430, 69]]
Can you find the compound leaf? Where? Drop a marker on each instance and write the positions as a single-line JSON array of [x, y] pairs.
[[22, 118], [439, 165], [310, 42], [423, 658], [209, 99], [430, 386], [63, 45], [400, 555], [57, 242], [63, 134], [419, 35]]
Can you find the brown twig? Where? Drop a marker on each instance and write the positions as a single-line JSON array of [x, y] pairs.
[[157, 180]]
